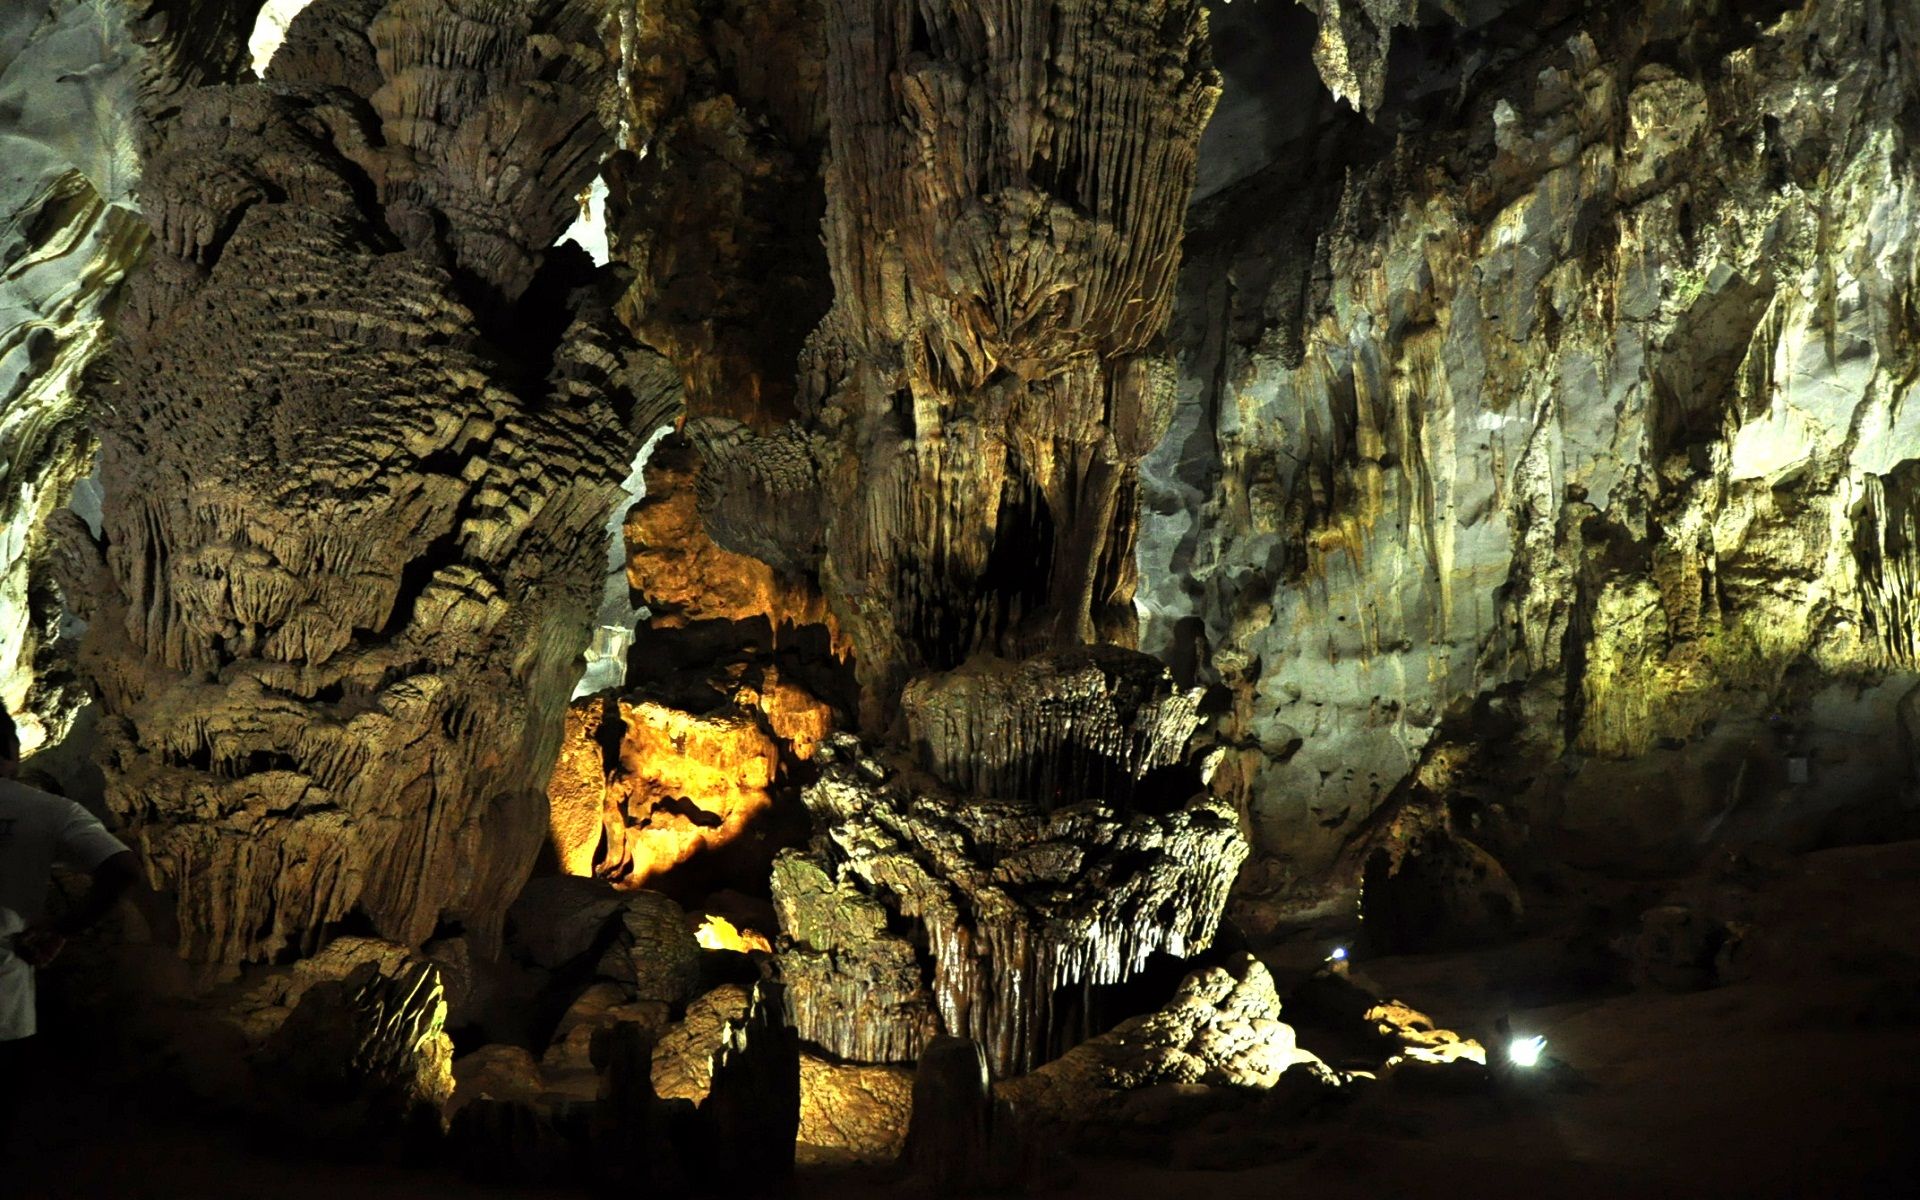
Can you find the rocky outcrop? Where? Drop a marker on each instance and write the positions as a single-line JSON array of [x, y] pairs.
[[1562, 419], [684, 787], [1221, 1030], [81, 84], [1002, 235], [362, 1061], [359, 452], [718, 213], [1006, 900], [851, 1113], [735, 1061]]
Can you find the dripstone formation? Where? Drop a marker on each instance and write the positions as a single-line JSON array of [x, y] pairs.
[[360, 439], [1005, 191]]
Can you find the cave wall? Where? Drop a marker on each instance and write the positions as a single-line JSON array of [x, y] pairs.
[[1560, 415]]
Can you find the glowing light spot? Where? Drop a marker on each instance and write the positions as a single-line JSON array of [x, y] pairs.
[[1339, 954], [1525, 1052], [718, 933]]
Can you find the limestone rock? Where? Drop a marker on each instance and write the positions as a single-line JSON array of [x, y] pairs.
[[735, 1061], [355, 502], [1221, 1030], [79, 82], [598, 1009], [973, 403], [364, 1057], [496, 1073], [656, 953], [960, 1140], [1012, 902], [266, 1005], [1090, 723], [1682, 948], [850, 1113], [1534, 424], [558, 918], [1424, 887], [685, 789]]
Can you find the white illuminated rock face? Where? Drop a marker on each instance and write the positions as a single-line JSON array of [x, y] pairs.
[[67, 236], [590, 231], [1579, 422], [270, 29], [615, 619]]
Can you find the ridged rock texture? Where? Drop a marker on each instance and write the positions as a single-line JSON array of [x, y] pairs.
[[81, 82], [1221, 1029], [1005, 190], [1010, 900], [1563, 417], [360, 440], [1005, 186]]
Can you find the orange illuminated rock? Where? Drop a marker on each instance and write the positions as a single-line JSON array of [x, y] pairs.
[[684, 577], [681, 783]]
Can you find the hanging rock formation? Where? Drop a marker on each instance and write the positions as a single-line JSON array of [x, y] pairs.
[[1010, 899], [82, 85], [359, 447], [1005, 193]]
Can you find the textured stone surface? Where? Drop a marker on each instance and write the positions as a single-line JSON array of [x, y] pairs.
[[1222, 1029], [1091, 724], [850, 1113], [79, 82], [1010, 901], [737, 1064], [364, 1057], [682, 785], [1002, 236], [355, 499], [1576, 425]]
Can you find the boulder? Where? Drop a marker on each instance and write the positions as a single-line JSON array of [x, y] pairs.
[[851, 1113], [1682, 948], [363, 1061]]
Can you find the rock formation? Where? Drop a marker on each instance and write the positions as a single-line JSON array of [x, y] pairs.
[[1221, 1030], [359, 445], [362, 1060], [1011, 900], [1559, 418], [1003, 223], [81, 85]]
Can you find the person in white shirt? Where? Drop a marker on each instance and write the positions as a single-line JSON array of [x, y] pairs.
[[36, 831]]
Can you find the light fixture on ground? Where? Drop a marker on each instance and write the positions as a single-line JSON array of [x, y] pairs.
[[1525, 1051]]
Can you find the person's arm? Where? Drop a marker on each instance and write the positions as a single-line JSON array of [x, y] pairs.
[[43, 940]]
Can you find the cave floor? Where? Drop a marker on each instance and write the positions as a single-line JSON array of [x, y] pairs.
[[1799, 1080]]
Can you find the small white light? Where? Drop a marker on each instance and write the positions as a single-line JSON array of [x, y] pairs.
[[1339, 954], [1525, 1052]]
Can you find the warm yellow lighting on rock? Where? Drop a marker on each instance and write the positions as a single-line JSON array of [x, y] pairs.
[[1525, 1051], [718, 933]]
